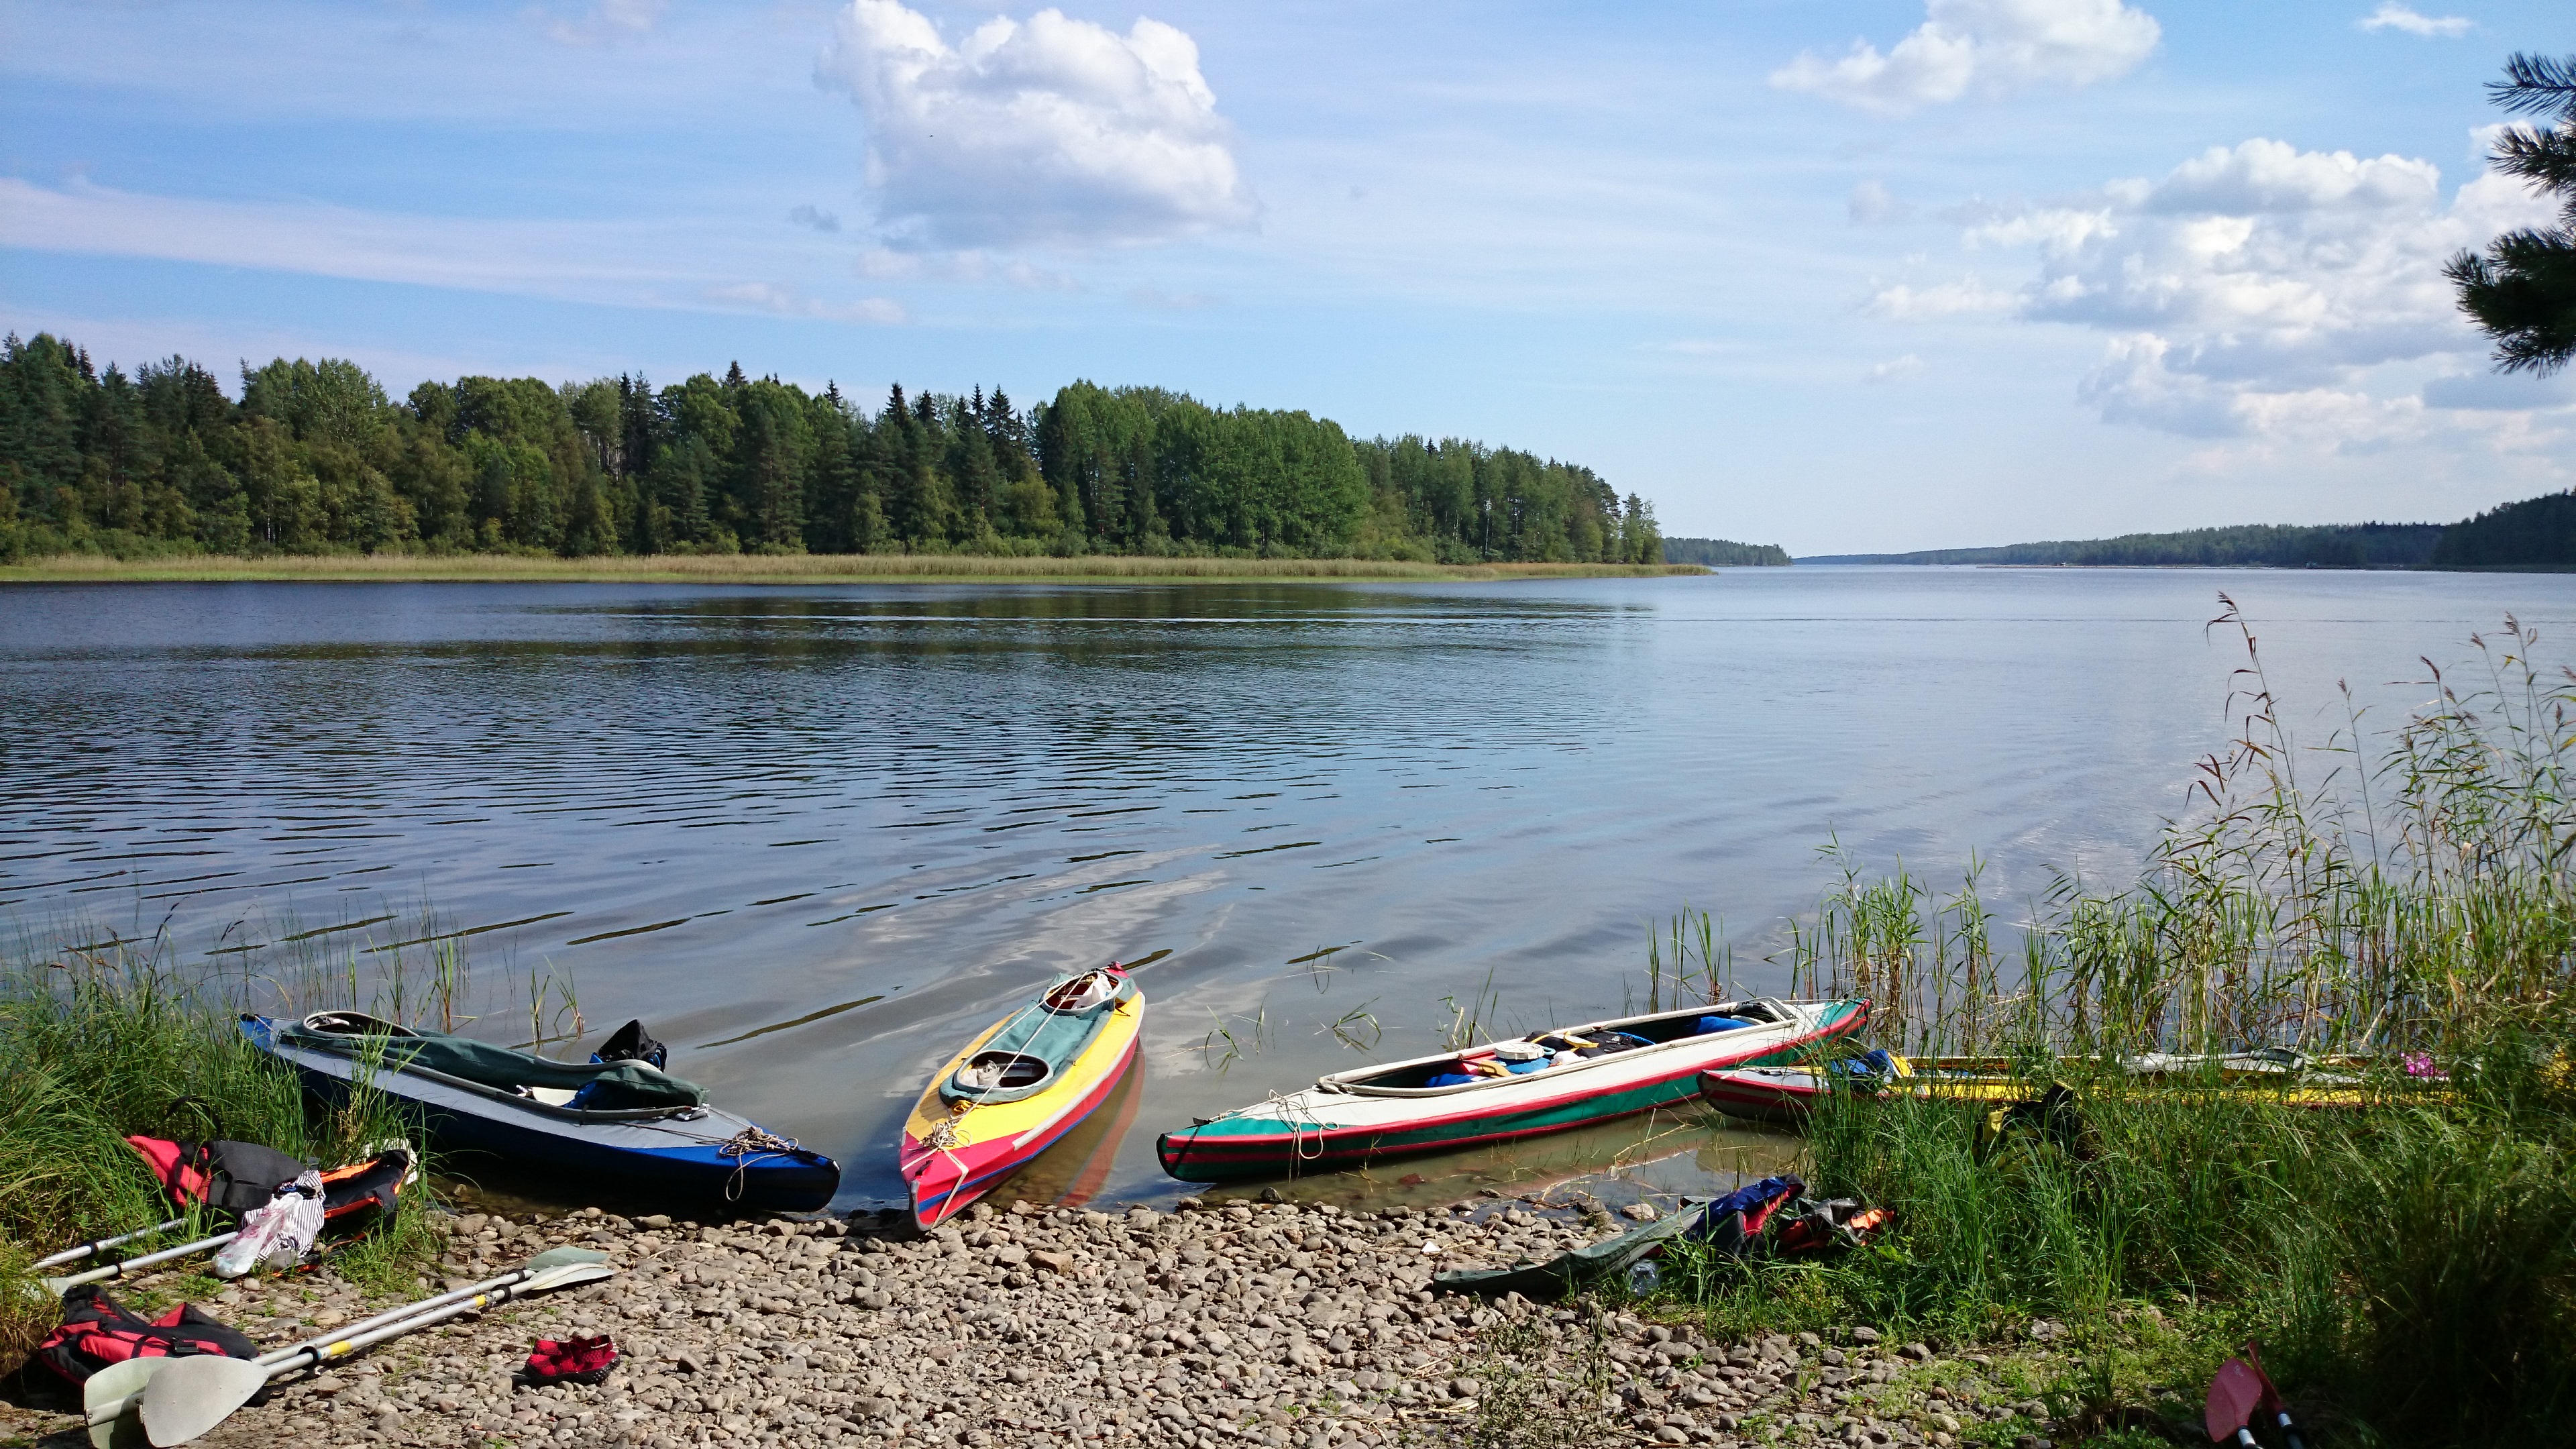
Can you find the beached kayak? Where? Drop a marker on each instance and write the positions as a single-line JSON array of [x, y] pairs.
[[1014, 1090], [1545, 1082], [623, 1120], [1789, 1092]]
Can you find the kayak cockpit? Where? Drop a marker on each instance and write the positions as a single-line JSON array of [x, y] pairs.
[[605, 1085], [1025, 1055], [1547, 1053]]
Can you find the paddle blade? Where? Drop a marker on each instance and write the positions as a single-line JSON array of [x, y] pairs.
[[110, 1390], [2232, 1397], [565, 1275], [191, 1395], [560, 1257]]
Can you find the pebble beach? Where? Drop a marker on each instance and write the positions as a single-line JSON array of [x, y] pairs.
[[1022, 1324]]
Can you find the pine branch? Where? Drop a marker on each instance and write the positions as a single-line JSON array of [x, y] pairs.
[[2537, 85]]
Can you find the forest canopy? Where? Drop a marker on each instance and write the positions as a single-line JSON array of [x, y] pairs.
[[316, 458]]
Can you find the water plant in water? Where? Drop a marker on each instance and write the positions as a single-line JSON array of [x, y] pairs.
[[2410, 1269]]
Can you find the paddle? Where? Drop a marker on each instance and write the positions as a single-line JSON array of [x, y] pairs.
[[2232, 1397], [189, 1396], [2272, 1405], [68, 1255], [118, 1269], [114, 1394]]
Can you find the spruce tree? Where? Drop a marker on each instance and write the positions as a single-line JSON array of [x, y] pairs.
[[2523, 290]]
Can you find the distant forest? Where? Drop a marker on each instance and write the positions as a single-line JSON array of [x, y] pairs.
[[2537, 533], [1724, 553], [2334, 546], [315, 458]]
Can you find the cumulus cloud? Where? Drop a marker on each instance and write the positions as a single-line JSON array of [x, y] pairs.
[[1896, 370], [2393, 16], [1987, 47], [814, 217], [2256, 288], [1048, 131]]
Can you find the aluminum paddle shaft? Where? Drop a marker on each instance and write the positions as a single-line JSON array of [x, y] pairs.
[[123, 1266], [73, 1255]]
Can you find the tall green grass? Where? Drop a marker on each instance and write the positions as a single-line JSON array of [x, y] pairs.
[[104, 1042], [2411, 1269]]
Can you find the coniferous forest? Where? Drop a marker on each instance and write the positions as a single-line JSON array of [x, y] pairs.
[[316, 458]]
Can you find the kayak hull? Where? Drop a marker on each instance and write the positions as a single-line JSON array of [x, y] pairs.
[[1327, 1129], [681, 1156], [1787, 1094], [950, 1159]]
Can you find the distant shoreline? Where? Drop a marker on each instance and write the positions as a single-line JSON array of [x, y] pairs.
[[789, 569]]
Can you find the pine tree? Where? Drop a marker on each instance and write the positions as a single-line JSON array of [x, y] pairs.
[[2523, 291]]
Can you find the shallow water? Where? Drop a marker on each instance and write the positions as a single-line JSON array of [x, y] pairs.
[[818, 837]]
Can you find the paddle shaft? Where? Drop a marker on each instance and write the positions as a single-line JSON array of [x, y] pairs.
[[386, 1326], [69, 1255], [405, 1313], [123, 1266]]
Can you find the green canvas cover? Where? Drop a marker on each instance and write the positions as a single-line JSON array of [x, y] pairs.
[[1572, 1271], [623, 1086]]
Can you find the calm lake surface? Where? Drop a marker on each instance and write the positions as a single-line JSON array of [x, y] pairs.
[[818, 837]]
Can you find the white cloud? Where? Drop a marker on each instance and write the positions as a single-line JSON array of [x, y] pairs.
[[2392, 16], [2262, 289], [1900, 369], [788, 302], [1872, 204], [1965, 297], [1989, 47], [680, 264], [971, 268], [1049, 131], [603, 22]]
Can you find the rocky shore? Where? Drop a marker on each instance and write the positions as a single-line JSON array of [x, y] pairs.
[[1250, 1324]]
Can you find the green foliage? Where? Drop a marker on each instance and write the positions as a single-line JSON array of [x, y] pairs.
[[2411, 1265], [2534, 533], [2522, 292], [2329, 546], [316, 460], [99, 1044], [1724, 553]]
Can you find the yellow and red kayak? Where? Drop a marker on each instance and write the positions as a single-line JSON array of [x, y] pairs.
[[1014, 1090]]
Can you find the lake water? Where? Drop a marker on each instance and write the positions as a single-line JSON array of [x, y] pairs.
[[818, 837]]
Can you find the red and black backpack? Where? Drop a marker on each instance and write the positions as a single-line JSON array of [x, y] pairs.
[[231, 1177], [98, 1331], [235, 1177]]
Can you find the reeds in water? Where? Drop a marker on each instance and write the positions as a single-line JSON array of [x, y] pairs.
[[2412, 1268]]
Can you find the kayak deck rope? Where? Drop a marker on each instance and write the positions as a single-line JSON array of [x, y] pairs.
[[747, 1148]]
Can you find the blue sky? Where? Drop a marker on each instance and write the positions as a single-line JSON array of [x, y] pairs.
[[1858, 276]]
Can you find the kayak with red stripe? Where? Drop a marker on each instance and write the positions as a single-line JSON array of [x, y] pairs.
[[1546, 1082]]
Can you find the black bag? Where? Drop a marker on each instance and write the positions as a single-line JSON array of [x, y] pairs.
[[231, 1177], [631, 1043], [98, 1331]]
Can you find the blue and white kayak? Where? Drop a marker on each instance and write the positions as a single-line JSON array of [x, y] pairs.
[[622, 1120]]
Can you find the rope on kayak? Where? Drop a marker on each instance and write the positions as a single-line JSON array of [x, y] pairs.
[[943, 1135], [748, 1148]]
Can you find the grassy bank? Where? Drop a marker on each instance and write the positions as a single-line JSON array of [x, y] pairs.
[[785, 569], [99, 1045], [2410, 1269]]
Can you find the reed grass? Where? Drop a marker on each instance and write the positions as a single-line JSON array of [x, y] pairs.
[[2405, 897], [115, 1037], [784, 569]]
